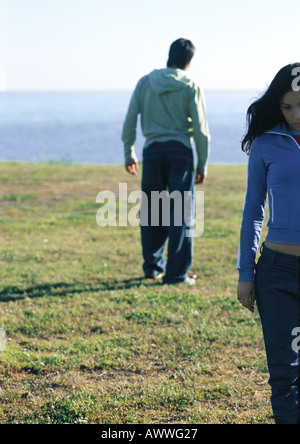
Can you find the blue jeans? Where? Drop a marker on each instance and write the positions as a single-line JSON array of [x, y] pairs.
[[278, 301], [167, 166]]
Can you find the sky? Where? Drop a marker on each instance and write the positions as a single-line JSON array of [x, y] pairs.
[[110, 44]]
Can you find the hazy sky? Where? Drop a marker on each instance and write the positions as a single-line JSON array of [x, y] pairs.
[[110, 44]]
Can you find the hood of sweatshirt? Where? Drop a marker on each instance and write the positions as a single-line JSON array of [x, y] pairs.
[[166, 80], [280, 129]]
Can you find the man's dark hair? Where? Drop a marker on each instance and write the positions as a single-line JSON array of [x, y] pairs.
[[181, 53]]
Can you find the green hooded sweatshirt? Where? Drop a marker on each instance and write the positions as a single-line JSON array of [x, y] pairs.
[[172, 107]]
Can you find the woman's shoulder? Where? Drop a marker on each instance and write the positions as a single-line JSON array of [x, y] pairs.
[[266, 138], [278, 130]]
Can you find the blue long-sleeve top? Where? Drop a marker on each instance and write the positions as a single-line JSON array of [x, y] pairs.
[[273, 171]]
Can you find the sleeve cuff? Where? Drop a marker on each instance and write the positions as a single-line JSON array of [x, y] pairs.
[[130, 157], [202, 170], [246, 275]]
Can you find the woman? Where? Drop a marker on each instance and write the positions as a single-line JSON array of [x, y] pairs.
[[273, 142]]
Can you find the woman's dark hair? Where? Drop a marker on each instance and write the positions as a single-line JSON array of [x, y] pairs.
[[181, 53], [265, 113]]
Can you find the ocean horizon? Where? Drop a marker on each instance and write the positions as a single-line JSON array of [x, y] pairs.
[[84, 127]]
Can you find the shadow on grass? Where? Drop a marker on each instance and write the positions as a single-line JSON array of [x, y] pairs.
[[11, 293]]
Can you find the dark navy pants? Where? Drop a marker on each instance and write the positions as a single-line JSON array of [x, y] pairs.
[[278, 301], [167, 166]]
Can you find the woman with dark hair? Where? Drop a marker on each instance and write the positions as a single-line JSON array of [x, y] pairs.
[[273, 144]]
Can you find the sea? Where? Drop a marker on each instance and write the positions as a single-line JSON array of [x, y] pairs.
[[85, 127]]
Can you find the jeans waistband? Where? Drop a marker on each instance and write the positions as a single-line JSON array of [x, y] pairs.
[[169, 145], [287, 260]]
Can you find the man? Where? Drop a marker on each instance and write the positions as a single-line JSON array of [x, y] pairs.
[[172, 110]]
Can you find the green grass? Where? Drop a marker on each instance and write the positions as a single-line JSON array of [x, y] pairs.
[[90, 341]]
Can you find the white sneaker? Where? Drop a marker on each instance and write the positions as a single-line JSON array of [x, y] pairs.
[[189, 281]]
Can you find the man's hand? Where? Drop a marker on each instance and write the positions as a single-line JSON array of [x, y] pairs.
[[246, 294], [132, 168], [200, 179]]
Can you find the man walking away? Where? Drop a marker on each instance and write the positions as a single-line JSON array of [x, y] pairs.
[[172, 110]]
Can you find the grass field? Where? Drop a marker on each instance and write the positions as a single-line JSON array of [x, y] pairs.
[[89, 341]]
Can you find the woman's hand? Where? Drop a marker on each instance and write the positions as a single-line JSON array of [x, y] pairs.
[[246, 294]]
